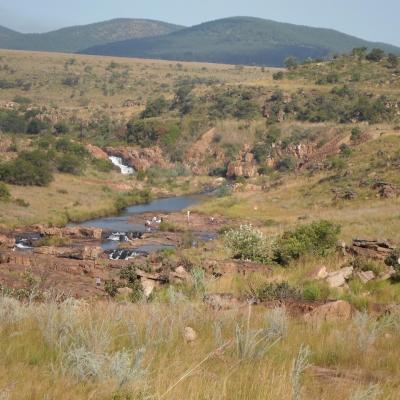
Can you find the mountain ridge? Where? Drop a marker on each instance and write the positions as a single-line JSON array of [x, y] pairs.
[[75, 38], [239, 40]]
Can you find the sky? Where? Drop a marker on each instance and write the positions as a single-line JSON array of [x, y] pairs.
[[376, 20]]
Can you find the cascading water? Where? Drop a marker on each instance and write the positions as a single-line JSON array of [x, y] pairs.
[[118, 162]]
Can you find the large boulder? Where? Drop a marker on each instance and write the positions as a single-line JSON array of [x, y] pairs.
[[331, 312], [338, 278], [318, 273]]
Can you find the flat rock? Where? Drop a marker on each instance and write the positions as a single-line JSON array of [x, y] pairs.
[[338, 278], [335, 311], [365, 276]]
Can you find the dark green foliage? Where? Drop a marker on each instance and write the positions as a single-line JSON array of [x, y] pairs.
[[36, 126], [343, 104], [61, 128], [70, 164], [277, 76], [103, 165], [355, 134], [286, 164], [28, 169], [111, 287], [316, 238], [155, 107], [5, 194], [12, 121], [128, 273], [277, 292], [67, 146], [246, 109], [375, 55], [264, 143], [291, 63], [345, 150]]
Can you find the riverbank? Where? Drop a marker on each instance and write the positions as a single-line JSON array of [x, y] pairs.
[[79, 198]]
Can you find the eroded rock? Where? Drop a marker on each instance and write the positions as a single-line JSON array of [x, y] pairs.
[[331, 312]]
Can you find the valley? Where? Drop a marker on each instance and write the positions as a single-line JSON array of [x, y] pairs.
[[174, 229]]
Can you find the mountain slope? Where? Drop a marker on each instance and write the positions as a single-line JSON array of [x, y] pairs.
[[243, 40], [73, 39]]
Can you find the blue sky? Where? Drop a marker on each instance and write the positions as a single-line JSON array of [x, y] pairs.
[[370, 19]]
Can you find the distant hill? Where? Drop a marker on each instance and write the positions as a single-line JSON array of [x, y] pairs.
[[239, 40], [73, 39]]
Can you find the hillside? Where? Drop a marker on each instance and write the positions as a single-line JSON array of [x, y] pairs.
[[239, 40], [75, 38], [260, 291]]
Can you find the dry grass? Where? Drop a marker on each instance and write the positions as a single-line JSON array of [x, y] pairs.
[[33, 367]]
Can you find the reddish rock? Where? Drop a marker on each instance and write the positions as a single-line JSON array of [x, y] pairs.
[[77, 253], [6, 241], [97, 152], [330, 312], [140, 159]]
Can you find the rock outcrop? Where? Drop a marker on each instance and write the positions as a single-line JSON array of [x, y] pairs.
[[76, 253], [330, 312], [6, 241], [244, 166], [96, 152], [140, 159], [376, 249], [78, 232]]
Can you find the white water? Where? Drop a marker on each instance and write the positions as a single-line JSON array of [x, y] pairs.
[[117, 161]]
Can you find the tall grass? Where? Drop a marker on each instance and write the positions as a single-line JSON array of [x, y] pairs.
[[72, 349]]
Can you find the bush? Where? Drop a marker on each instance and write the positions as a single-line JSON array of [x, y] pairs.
[[393, 260], [61, 128], [70, 164], [35, 126], [11, 121], [155, 107], [4, 192], [315, 238], [277, 291], [375, 55], [102, 165], [111, 287], [247, 243], [28, 169], [277, 76], [313, 291]]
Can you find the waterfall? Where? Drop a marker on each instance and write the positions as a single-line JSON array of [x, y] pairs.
[[117, 161]]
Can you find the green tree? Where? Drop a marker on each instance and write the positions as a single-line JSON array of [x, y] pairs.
[[393, 60], [291, 63], [375, 55]]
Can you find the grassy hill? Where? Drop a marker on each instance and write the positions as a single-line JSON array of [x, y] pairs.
[[322, 142], [73, 39], [239, 40]]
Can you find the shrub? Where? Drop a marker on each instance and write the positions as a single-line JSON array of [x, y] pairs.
[[35, 126], [375, 55], [4, 192], [102, 165], [128, 273], [277, 291], [313, 291], [70, 164], [111, 287], [247, 243], [277, 76], [61, 128], [315, 238], [11, 121], [155, 107], [28, 169], [393, 260]]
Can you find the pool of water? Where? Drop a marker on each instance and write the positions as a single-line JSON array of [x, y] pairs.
[[121, 223]]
